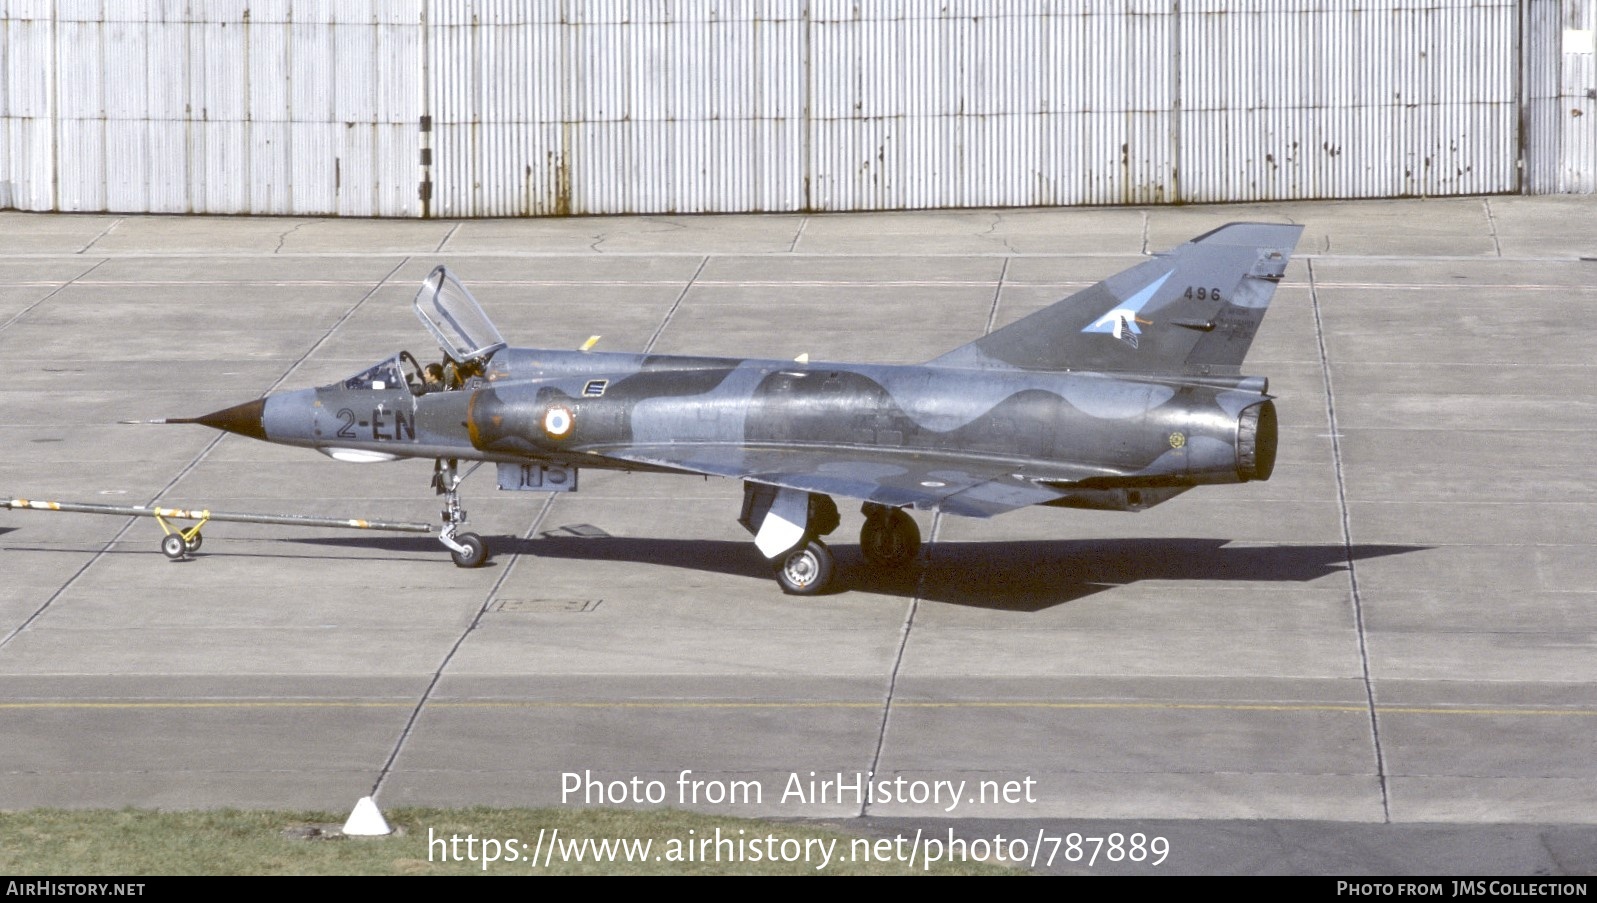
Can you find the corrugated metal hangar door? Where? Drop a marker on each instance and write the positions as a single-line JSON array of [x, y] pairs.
[[461, 108]]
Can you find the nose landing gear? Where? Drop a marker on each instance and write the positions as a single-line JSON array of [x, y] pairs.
[[467, 549]]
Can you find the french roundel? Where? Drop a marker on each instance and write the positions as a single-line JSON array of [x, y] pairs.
[[558, 421]]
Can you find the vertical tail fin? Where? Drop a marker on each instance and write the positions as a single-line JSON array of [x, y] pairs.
[[1192, 311]]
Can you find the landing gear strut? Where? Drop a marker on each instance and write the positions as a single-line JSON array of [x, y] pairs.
[[890, 538], [467, 549], [787, 524]]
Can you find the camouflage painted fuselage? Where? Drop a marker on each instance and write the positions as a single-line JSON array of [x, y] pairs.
[[971, 441]]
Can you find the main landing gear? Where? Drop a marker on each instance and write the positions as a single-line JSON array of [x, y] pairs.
[[787, 525], [889, 538], [806, 570], [467, 549]]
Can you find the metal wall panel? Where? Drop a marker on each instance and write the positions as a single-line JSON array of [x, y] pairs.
[[495, 95], [79, 113], [1540, 58], [276, 106], [1349, 98], [612, 107], [27, 107], [1558, 115], [1576, 108], [979, 103], [505, 108]]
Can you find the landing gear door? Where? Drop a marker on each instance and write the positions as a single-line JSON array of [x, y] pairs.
[[455, 319]]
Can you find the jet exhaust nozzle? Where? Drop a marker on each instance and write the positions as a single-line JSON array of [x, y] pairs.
[[1257, 434]]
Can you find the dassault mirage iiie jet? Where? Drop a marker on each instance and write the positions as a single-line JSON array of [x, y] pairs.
[[1119, 397]]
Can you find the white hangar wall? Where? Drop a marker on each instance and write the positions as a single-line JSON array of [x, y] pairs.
[[461, 108], [1559, 97], [210, 107]]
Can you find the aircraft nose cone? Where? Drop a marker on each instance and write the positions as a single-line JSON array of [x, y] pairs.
[[244, 419]]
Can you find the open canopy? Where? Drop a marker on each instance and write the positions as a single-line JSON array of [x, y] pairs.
[[455, 319]]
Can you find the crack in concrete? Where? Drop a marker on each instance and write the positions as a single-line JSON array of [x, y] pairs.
[[998, 217], [284, 237], [992, 227]]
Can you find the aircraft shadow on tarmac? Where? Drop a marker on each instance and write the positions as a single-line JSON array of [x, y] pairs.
[[1030, 575]]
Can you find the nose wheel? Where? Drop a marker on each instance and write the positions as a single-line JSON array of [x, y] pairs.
[[472, 552], [468, 550]]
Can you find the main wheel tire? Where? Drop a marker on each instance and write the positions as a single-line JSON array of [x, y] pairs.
[[890, 539], [194, 544], [173, 546], [476, 554], [806, 570]]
